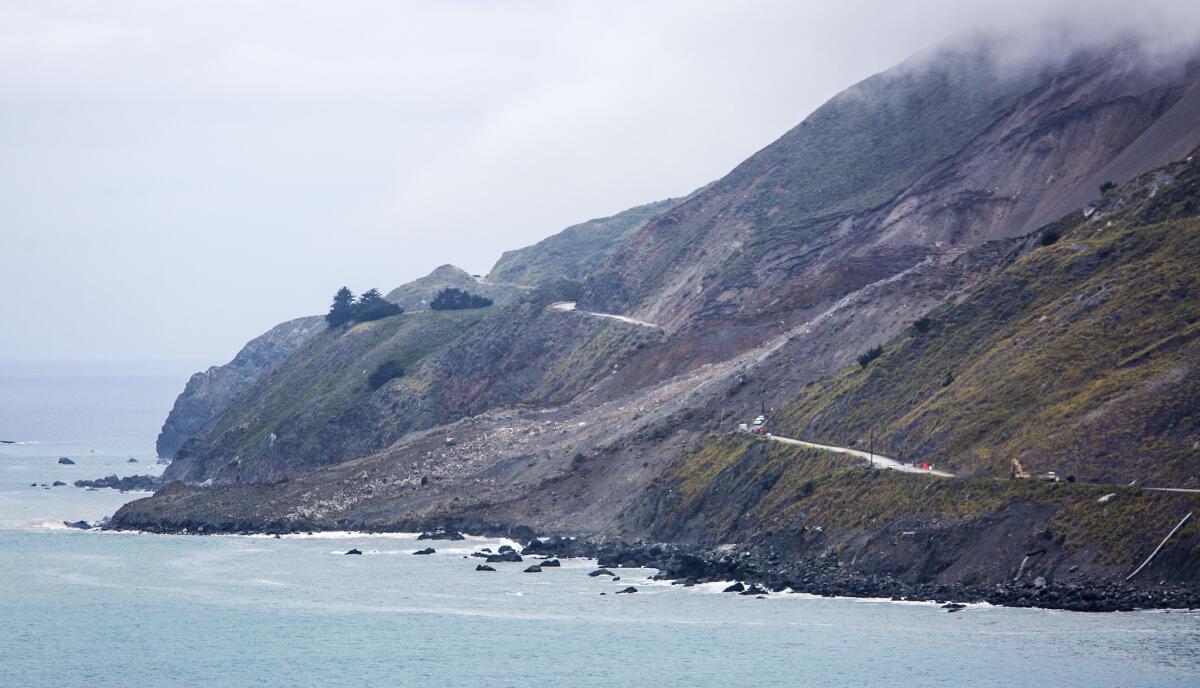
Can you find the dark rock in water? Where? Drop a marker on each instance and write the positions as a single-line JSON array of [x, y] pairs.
[[354, 551], [441, 534], [481, 555], [510, 557], [8, 441], [131, 460], [33, 484], [486, 549], [551, 562], [427, 550], [954, 607], [505, 548], [534, 569], [616, 578], [144, 483], [736, 587], [484, 567], [59, 483], [626, 591], [276, 536], [65, 461], [81, 525], [753, 590], [600, 572]]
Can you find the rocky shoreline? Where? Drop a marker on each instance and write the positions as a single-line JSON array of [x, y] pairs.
[[768, 572]]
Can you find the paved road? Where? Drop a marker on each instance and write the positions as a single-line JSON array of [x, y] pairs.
[[566, 306], [879, 461]]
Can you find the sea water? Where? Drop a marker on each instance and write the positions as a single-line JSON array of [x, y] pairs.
[[85, 608]]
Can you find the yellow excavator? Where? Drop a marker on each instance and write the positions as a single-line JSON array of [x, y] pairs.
[[1018, 471]]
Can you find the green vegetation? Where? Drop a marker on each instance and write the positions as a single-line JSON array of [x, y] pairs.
[[1082, 356], [316, 401], [451, 299], [370, 306], [384, 372], [733, 482], [871, 354]]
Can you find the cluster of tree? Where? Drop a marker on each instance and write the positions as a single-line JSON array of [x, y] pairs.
[[452, 299], [370, 306]]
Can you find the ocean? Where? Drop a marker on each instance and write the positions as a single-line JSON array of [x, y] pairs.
[[97, 609]]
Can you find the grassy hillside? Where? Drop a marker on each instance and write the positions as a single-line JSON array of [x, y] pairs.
[[575, 251], [1081, 356], [734, 487], [416, 295], [318, 405]]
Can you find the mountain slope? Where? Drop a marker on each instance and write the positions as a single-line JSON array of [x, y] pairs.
[[318, 407], [416, 295], [575, 251], [945, 148], [210, 391], [1083, 356]]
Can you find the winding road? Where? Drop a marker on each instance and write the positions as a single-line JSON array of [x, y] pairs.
[[877, 461], [568, 306]]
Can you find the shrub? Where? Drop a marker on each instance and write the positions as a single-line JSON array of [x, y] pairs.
[[1050, 237], [871, 355], [923, 325], [1107, 186], [388, 370], [452, 299]]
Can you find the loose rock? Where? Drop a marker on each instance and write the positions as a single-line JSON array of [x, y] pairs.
[[427, 550]]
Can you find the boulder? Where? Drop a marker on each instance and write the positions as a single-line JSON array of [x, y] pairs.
[[131, 460], [484, 567], [600, 572], [354, 551], [427, 550], [954, 607], [551, 562], [81, 525], [626, 591], [736, 587], [505, 548], [59, 483], [441, 534], [65, 461], [507, 557], [534, 569], [753, 590]]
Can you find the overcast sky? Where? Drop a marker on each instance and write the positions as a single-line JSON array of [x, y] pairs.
[[176, 177]]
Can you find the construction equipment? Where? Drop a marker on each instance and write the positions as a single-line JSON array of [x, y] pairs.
[[1018, 471]]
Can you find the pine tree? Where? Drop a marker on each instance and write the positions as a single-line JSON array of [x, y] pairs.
[[342, 310]]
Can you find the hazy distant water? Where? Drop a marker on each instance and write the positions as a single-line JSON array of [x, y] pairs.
[[117, 609]]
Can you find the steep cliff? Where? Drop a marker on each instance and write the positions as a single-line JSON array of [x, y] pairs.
[[210, 391]]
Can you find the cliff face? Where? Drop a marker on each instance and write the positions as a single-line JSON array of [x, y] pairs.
[[210, 391]]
